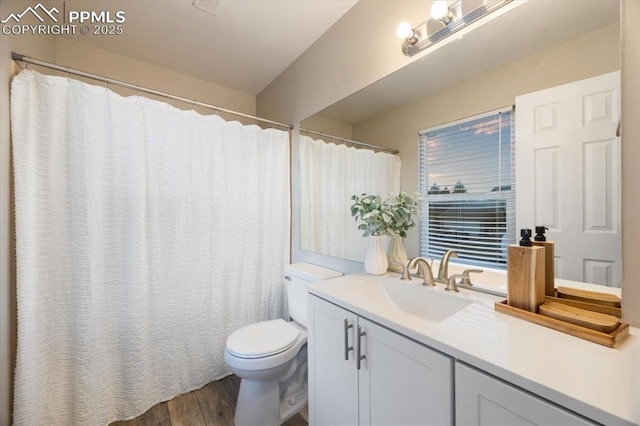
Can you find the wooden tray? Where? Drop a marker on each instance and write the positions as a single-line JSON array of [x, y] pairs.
[[611, 340], [597, 321], [603, 309], [588, 296]]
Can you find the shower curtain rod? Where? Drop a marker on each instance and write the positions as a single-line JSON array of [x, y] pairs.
[[29, 60], [379, 148]]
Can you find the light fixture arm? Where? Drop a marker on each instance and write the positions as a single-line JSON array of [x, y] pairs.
[[441, 11], [448, 18], [414, 38]]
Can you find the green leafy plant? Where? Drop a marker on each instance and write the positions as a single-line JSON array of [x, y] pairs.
[[393, 216], [371, 210], [403, 208]]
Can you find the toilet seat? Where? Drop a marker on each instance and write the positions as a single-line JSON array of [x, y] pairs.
[[262, 339], [242, 352]]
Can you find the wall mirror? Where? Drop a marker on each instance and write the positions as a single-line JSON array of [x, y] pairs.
[[540, 44]]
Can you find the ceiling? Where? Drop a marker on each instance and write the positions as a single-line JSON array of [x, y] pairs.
[[530, 27], [244, 47]]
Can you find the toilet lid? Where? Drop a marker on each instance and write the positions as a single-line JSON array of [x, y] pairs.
[[262, 339]]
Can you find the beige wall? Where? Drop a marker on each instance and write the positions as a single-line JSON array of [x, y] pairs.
[[586, 56], [83, 57], [327, 125], [630, 157]]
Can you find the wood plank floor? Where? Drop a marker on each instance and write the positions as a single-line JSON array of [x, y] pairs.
[[213, 404]]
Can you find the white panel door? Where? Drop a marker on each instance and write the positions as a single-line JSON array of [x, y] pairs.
[[482, 400], [333, 380], [403, 382], [568, 175]]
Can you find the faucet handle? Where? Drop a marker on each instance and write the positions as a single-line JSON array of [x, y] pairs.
[[451, 282], [405, 270], [466, 280]]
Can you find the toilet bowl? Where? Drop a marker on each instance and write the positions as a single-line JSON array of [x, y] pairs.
[[268, 370], [271, 356], [264, 350]]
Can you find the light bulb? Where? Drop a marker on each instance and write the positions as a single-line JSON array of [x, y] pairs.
[[404, 30], [440, 10]]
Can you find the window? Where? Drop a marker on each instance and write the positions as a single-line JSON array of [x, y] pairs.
[[467, 177]]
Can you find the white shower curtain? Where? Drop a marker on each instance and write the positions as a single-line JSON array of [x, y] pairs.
[[329, 175], [145, 236]]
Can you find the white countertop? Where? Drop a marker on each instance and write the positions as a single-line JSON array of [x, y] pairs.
[[600, 383]]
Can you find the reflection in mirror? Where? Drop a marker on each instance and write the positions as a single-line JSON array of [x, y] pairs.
[[568, 175], [466, 174], [539, 45], [330, 174]]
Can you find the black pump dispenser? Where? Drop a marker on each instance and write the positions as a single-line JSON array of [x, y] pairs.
[[549, 257], [540, 233], [525, 233]]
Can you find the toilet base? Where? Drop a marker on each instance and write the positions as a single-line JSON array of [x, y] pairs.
[[259, 403], [296, 402]]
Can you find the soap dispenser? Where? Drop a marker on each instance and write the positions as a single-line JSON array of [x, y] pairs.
[[549, 280], [525, 273]]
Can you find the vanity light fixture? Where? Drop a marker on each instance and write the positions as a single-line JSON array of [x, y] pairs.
[[447, 18]]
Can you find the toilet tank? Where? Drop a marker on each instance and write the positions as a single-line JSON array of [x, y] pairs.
[[298, 276]]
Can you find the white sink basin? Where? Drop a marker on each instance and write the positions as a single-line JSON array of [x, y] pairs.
[[392, 295], [431, 304]]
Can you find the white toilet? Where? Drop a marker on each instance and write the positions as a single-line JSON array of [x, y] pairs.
[[271, 356]]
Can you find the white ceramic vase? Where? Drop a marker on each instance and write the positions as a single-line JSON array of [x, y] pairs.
[[375, 261], [397, 255]]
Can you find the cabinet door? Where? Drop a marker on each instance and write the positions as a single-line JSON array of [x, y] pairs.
[[402, 382], [484, 400], [333, 380]]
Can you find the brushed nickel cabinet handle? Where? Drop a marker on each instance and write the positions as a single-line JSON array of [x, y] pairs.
[[359, 356], [347, 348]]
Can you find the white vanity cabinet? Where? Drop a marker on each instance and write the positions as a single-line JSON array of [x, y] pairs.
[[398, 380], [484, 400]]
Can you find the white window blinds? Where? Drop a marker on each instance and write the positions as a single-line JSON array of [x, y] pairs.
[[467, 177]]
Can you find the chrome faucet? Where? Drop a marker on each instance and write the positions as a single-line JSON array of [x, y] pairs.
[[443, 269], [427, 278]]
